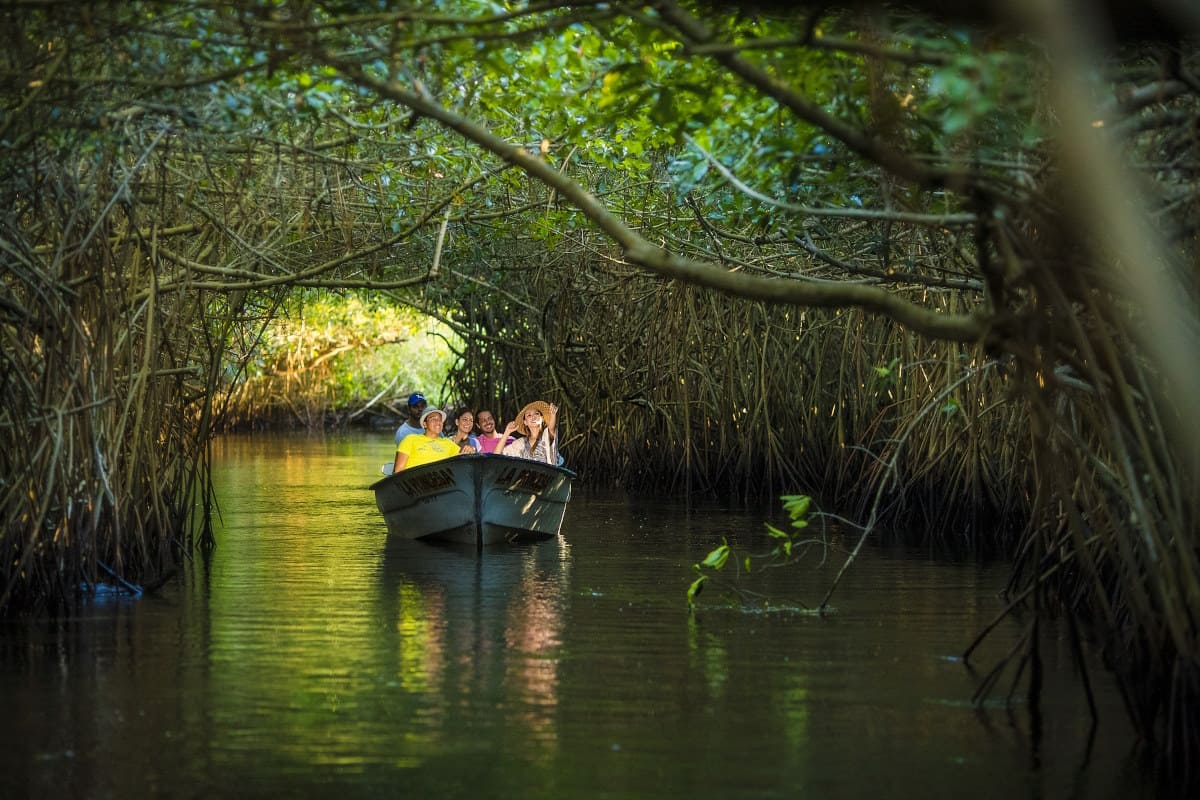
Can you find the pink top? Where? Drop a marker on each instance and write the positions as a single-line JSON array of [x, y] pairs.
[[491, 444]]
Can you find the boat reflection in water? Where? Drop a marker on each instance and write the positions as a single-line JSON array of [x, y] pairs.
[[478, 639], [475, 499]]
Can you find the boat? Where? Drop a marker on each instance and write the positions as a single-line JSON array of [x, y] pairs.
[[475, 499]]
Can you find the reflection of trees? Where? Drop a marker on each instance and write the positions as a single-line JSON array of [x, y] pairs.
[[533, 638], [420, 642], [476, 633], [414, 613]]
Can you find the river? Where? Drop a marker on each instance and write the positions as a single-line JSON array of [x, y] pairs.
[[307, 656]]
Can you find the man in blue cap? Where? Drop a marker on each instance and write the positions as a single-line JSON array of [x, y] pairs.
[[416, 404]]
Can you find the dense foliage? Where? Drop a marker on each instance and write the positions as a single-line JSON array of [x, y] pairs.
[[870, 257], [333, 360]]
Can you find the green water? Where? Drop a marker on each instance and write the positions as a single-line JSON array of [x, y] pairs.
[[308, 657]]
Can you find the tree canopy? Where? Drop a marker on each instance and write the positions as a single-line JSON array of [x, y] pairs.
[[690, 220]]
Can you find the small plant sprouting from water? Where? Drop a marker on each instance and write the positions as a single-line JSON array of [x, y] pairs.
[[781, 554]]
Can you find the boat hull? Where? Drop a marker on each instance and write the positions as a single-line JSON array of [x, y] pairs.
[[475, 499]]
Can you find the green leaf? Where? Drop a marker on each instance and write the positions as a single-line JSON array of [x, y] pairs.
[[717, 558], [796, 505], [694, 590], [775, 533]]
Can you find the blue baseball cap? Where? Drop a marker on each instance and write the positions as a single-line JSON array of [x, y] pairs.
[[415, 398]]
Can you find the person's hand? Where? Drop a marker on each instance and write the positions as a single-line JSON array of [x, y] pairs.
[[510, 427]]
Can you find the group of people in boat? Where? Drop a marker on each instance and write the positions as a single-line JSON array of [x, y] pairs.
[[424, 438]]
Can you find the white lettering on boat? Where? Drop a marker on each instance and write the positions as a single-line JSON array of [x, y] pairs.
[[430, 482], [527, 479]]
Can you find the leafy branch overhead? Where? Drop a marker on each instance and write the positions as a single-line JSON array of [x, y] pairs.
[[814, 166], [655, 94]]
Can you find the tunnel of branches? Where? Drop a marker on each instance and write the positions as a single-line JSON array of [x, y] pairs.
[[158, 226]]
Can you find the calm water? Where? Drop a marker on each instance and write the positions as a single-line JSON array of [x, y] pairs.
[[307, 657]]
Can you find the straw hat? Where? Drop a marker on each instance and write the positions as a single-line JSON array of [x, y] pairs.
[[540, 406]]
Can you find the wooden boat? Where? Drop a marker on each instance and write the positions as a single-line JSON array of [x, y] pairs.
[[475, 499]]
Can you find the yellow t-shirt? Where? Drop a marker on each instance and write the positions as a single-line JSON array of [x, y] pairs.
[[420, 449]]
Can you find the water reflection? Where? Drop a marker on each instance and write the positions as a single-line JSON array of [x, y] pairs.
[[533, 637], [470, 625], [311, 656]]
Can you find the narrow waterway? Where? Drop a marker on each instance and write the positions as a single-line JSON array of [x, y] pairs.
[[309, 657]]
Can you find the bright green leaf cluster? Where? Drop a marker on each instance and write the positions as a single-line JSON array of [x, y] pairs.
[[796, 506]]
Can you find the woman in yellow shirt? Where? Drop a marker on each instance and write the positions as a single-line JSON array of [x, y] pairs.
[[425, 448]]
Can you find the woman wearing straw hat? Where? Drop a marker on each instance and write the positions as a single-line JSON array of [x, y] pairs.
[[426, 447], [538, 442]]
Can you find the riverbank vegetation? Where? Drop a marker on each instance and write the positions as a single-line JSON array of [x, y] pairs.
[[329, 361], [939, 278]]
